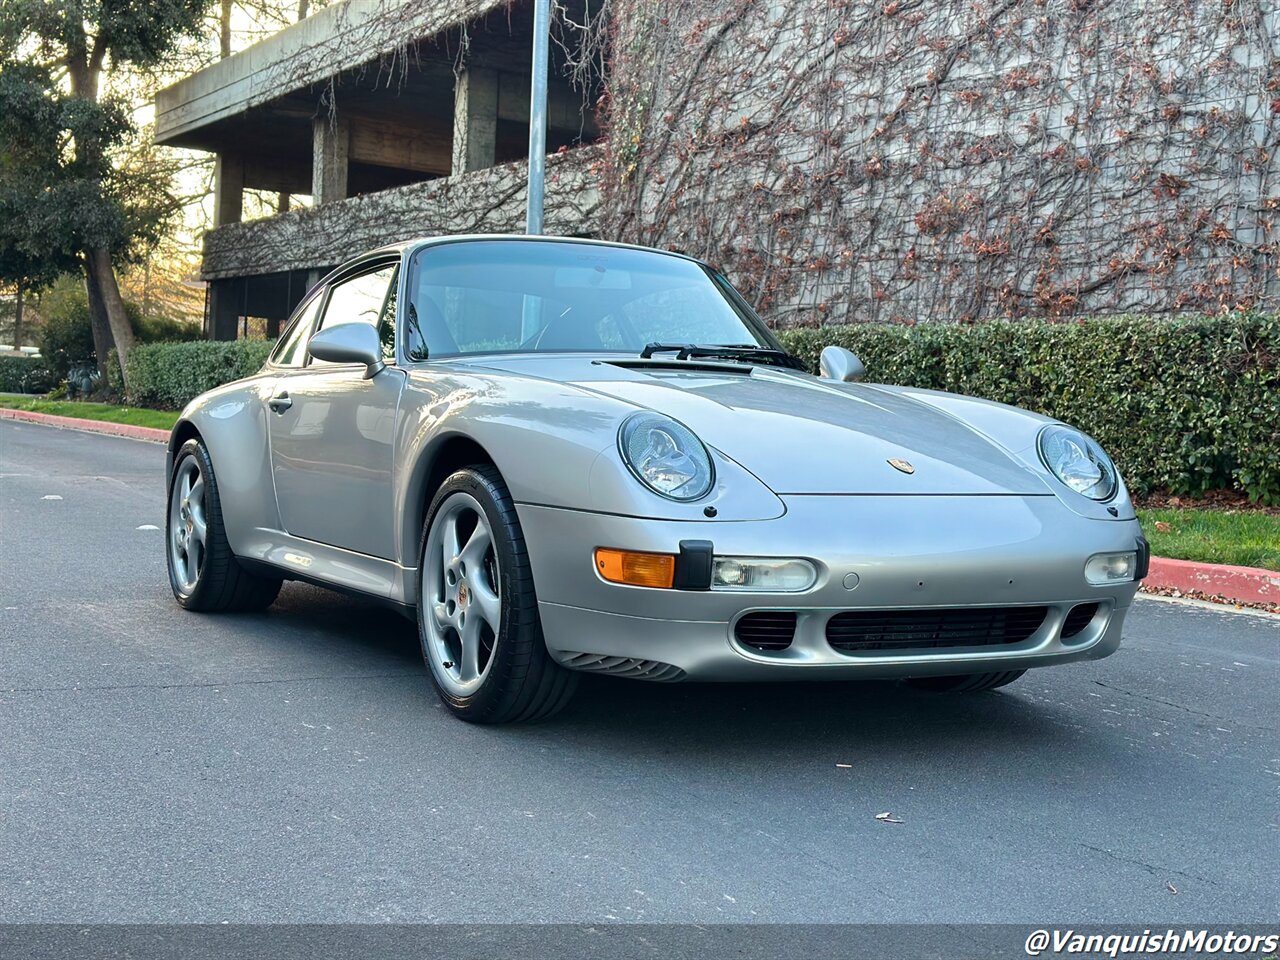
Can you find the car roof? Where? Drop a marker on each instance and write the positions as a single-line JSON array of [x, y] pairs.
[[407, 245]]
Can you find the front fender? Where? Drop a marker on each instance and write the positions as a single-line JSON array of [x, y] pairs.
[[555, 445]]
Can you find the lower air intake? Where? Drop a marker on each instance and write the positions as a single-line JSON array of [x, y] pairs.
[[857, 631], [1081, 616], [766, 630], [623, 667]]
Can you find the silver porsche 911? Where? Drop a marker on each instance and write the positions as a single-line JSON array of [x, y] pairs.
[[564, 455]]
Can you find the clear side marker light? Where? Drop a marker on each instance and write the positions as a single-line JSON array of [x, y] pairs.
[[1103, 568], [763, 574]]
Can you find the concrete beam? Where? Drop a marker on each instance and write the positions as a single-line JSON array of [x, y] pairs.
[[475, 120], [340, 37], [384, 143], [277, 174], [330, 156], [228, 189]]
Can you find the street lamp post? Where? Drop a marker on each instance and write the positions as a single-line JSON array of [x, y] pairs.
[[538, 116]]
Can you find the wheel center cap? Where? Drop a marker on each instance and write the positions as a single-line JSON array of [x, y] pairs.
[[463, 595]]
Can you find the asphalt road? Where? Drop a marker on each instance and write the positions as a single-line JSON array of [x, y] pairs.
[[160, 766]]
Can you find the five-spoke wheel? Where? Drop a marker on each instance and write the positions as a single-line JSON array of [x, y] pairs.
[[477, 611], [462, 587], [203, 571], [188, 529]]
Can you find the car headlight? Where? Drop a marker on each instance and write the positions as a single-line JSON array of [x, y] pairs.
[[1078, 462], [665, 456]]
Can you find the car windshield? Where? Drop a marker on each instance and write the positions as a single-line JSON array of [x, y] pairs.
[[546, 296]]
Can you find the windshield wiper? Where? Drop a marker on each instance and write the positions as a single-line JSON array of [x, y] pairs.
[[723, 351]]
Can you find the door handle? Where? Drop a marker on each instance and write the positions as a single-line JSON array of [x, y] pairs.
[[280, 402]]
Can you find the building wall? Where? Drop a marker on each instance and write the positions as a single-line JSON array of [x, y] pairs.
[[904, 160], [484, 201]]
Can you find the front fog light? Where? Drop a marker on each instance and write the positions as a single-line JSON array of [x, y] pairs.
[[762, 575], [1111, 567]]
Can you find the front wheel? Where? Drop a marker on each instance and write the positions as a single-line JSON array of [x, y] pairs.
[[203, 572], [477, 610], [964, 683]]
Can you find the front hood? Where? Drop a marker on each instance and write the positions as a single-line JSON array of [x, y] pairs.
[[800, 434]]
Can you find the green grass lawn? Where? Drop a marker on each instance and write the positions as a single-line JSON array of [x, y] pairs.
[[1242, 537], [162, 419]]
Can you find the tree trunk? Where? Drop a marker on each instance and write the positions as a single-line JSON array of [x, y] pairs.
[[17, 320], [117, 315], [224, 30], [102, 342]]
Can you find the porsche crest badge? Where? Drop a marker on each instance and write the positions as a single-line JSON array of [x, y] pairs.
[[903, 465]]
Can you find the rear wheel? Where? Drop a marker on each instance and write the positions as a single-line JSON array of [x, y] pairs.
[[964, 683], [203, 572], [477, 610]]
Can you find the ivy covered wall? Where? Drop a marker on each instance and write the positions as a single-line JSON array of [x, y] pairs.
[[902, 160]]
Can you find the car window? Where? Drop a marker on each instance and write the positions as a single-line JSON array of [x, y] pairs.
[[466, 319], [387, 321], [288, 352], [365, 298], [490, 296], [693, 310]]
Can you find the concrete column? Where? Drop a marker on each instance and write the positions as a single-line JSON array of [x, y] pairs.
[[330, 147], [475, 120], [228, 188], [224, 308]]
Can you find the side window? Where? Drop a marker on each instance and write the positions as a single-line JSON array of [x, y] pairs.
[[366, 298], [387, 322], [288, 352]]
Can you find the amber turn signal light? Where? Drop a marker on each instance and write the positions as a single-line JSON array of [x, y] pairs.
[[636, 569]]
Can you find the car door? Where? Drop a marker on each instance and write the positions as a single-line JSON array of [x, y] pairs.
[[333, 429]]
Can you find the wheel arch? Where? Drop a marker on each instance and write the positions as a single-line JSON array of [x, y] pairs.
[[183, 431], [441, 458]]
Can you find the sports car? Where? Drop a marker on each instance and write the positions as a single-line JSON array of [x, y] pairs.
[[565, 455]]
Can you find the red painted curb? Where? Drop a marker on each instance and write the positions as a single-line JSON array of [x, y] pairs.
[[87, 426], [1239, 584]]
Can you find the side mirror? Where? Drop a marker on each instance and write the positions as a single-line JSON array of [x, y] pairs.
[[837, 363], [349, 343]]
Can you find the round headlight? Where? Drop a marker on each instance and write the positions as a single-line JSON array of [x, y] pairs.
[[665, 456], [1078, 462]]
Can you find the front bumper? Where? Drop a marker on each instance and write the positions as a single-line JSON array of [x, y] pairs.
[[907, 553]]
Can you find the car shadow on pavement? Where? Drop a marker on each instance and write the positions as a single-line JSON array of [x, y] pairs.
[[762, 718]]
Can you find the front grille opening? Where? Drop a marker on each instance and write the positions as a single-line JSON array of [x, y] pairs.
[[893, 630], [1080, 616], [767, 630]]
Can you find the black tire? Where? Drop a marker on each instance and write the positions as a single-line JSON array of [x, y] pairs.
[[964, 683], [222, 584], [522, 682]]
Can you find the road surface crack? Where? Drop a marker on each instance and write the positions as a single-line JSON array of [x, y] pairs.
[[1152, 869], [1177, 706]]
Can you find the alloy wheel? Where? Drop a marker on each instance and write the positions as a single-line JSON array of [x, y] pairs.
[[462, 593], [188, 527]]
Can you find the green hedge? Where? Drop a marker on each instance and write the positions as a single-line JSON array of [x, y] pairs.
[[1182, 405], [25, 375], [168, 375]]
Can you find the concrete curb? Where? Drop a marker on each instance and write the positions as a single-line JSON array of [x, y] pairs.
[[87, 426], [1233, 584], [1237, 584]]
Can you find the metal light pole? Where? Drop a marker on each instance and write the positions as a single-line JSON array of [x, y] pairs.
[[538, 115]]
